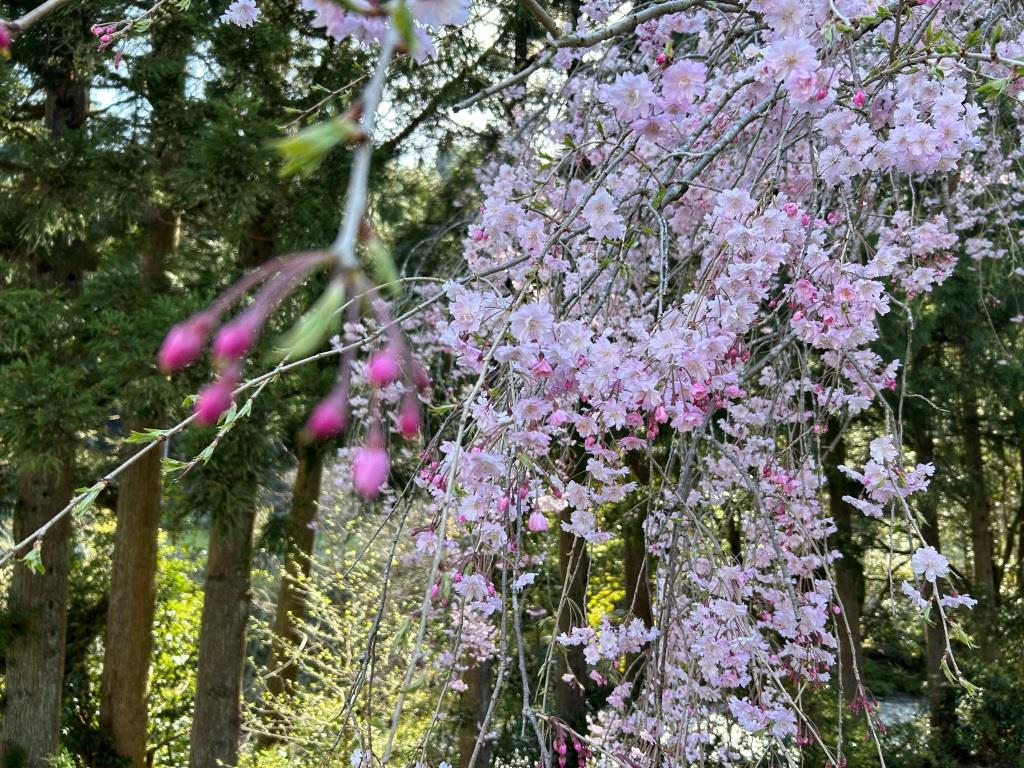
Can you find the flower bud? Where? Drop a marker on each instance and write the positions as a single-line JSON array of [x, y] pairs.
[[382, 368], [235, 338], [419, 376], [5, 41], [859, 98], [213, 401], [409, 421], [537, 522], [183, 344], [327, 419], [370, 470]]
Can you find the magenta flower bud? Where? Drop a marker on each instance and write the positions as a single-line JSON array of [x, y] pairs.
[[859, 98], [435, 591], [182, 346], [5, 41], [409, 421], [537, 522], [370, 470], [382, 368], [419, 376], [503, 503], [234, 339], [213, 401], [327, 419]]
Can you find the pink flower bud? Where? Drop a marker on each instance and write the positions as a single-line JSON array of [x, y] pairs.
[[419, 376], [328, 418], [435, 591], [542, 369], [537, 522], [370, 469], [213, 401], [235, 338], [660, 59], [859, 98], [182, 346], [503, 503], [382, 368], [5, 41], [409, 421]]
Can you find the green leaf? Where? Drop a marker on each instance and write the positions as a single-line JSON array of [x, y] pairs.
[[417, 682], [993, 88], [89, 498], [146, 436], [309, 332], [34, 561], [402, 18], [303, 152], [944, 666], [403, 630], [383, 265], [169, 465]]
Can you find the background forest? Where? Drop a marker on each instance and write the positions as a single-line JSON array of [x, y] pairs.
[[219, 604]]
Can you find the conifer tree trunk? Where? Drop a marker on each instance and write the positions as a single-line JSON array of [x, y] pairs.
[[216, 721], [129, 641], [129, 638], [37, 604], [217, 716], [570, 695], [941, 699], [472, 711], [34, 678], [849, 574], [291, 603], [979, 514]]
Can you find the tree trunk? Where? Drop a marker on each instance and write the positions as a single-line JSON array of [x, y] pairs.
[[941, 699], [37, 604], [217, 717], [472, 711], [980, 517], [570, 695], [129, 639], [34, 679], [291, 601], [849, 572], [216, 722]]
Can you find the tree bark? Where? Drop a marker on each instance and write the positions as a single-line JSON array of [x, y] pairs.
[[217, 717], [980, 517], [941, 699], [473, 710], [34, 679], [570, 695], [216, 722], [37, 603], [849, 571], [129, 639], [291, 602]]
